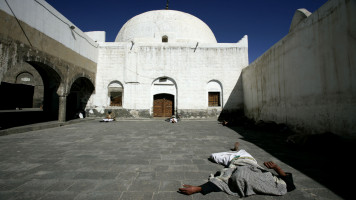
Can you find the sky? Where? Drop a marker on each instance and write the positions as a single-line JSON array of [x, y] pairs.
[[265, 22]]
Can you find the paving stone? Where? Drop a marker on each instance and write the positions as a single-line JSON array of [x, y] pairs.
[[262, 197], [99, 196], [183, 161], [210, 168], [182, 168], [136, 195], [127, 175], [137, 162], [91, 175], [145, 185], [25, 175], [199, 161], [36, 185], [212, 196], [54, 175], [178, 175], [161, 168], [5, 195], [162, 162], [82, 185], [146, 176], [170, 195], [169, 185], [59, 195], [109, 185], [27, 195], [196, 175], [60, 185], [322, 193], [7, 185]]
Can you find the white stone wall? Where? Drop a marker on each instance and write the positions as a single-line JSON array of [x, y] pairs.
[[308, 78], [111, 60], [97, 36], [138, 65], [35, 14]]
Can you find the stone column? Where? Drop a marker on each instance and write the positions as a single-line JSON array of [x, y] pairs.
[[62, 108]]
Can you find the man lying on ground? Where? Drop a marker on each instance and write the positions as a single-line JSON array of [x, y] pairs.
[[244, 177]]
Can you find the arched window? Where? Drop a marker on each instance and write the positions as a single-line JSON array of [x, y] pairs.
[[25, 78], [115, 91], [165, 38], [214, 94]]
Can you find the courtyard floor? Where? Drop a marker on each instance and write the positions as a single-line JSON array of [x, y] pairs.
[[147, 159]]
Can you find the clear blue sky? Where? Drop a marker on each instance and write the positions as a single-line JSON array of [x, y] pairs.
[[264, 21]]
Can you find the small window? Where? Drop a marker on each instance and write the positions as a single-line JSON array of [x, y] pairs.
[[115, 92], [25, 78], [165, 38], [116, 99], [214, 99]]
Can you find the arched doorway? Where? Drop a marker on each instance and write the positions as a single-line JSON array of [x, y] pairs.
[[164, 97], [163, 105], [77, 99]]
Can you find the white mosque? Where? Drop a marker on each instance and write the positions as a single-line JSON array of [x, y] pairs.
[[164, 63]]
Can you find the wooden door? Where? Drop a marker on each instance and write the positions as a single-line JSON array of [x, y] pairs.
[[214, 99], [163, 105]]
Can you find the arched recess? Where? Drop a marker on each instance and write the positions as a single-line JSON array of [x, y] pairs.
[[214, 94], [31, 87], [116, 93], [51, 78], [164, 95], [21, 88], [77, 99]]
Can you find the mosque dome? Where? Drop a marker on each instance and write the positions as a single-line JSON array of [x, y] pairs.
[[166, 26]]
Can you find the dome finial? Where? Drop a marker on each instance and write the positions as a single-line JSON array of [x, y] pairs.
[[167, 4]]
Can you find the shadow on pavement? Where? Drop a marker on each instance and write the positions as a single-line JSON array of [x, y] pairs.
[[325, 158]]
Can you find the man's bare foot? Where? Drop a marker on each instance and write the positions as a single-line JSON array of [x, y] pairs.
[[189, 189], [236, 147]]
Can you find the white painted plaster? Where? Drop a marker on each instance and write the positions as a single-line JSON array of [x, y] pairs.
[[180, 27], [138, 65], [308, 78], [97, 36], [54, 26]]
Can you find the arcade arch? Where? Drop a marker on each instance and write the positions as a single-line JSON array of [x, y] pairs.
[[21, 88], [78, 97]]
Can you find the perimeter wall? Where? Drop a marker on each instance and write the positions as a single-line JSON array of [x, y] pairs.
[[307, 80]]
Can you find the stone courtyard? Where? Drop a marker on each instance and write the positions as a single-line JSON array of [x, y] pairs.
[[147, 159]]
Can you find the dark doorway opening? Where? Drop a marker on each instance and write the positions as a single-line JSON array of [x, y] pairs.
[[77, 99], [15, 96]]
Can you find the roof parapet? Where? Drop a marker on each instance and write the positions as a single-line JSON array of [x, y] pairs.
[[299, 15]]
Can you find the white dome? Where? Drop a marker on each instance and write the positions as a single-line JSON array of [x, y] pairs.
[[178, 26]]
